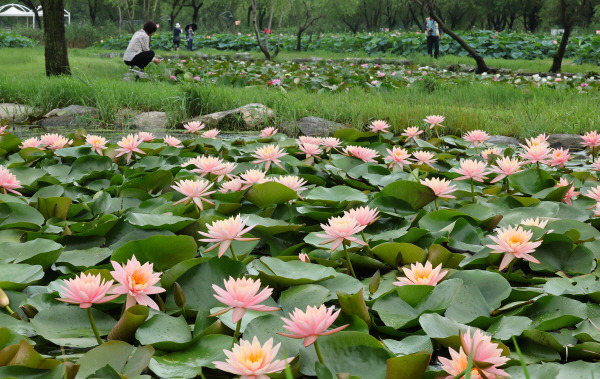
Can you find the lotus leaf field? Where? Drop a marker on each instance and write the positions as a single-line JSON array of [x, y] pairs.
[[343, 76], [364, 254], [490, 44]]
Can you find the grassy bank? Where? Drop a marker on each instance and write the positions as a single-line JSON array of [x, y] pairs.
[[498, 109]]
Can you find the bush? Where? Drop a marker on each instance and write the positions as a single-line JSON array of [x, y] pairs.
[[11, 39]]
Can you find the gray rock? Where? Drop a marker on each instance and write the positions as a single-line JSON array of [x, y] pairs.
[[249, 117], [503, 140], [15, 112], [566, 141], [151, 121], [315, 126], [243, 57], [73, 115]]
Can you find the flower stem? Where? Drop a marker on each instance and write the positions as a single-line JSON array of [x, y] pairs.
[[510, 269], [10, 311], [93, 324], [506, 185], [437, 207], [460, 374], [367, 248], [235, 258], [236, 334], [472, 191], [318, 351], [349, 264]]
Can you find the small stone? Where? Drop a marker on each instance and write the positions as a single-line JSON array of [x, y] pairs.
[[15, 112], [503, 140], [316, 126], [155, 121], [565, 141]]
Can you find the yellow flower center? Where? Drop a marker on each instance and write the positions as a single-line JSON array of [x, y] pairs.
[[138, 279], [255, 356]]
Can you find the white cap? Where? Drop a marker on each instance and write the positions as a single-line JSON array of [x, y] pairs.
[[177, 25]]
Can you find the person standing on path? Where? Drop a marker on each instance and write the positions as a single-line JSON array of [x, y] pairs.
[[190, 37], [138, 53], [177, 36], [432, 31]]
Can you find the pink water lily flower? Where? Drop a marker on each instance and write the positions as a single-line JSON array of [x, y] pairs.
[[593, 193], [3, 130], [32, 142], [540, 223], [225, 171], [60, 143], [596, 209], [224, 232], [310, 139], [268, 154], [591, 139], [211, 133], [411, 132], [86, 290], [8, 181], [98, 143], [494, 150], [424, 158], [434, 121], [292, 182], [536, 153], [49, 139], [442, 188], [472, 169], [571, 193], [487, 355], [194, 190], [129, 145], [268, 132], [476, 137], [232, 185], [206, 165], [331, 143], [240, 295], [311, 324], [340, 229], [514, 243], [311, 150], [145, 136], [251, 177], [363, 153], [172, 141], [251, 360], [398, 157], [193, 127], [505, 167], [559, 157], [304, 257], [379, 126], [421, 275], [596, 165], [364, 216], [137, 282]]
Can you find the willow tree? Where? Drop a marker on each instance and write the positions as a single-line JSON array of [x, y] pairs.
[[55, 43], [569, 11]]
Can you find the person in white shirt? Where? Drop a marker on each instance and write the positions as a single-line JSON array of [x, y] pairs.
[[432, 31], [138, 53]]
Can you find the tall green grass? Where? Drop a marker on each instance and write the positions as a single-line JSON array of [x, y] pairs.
[[498, 109]]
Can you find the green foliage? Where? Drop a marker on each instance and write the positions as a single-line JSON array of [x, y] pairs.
[[12, 39]]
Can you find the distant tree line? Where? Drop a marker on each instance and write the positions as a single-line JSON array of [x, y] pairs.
[[330, 15]]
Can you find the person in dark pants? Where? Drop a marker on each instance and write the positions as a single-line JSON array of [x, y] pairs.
[[190, 37], [177, 36], [138, 53], [432, 31]]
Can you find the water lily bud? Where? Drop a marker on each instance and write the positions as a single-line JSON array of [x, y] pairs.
[[374, 282], [3, 299], [159, 302], [179, 295], [29, 310]]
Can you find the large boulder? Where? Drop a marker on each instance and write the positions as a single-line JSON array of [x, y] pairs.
[[316, 126], [249, 117], [15, 112], [503, 140], [566, 141], [73, 115], [151, 121]]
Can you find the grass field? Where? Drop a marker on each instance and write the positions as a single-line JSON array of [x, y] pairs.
[[498, 109]]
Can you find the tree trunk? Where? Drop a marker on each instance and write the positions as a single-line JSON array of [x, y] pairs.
[[33, 7], [55, 44], [93, 7], [481, 66], [568, 26], [299, 40]]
